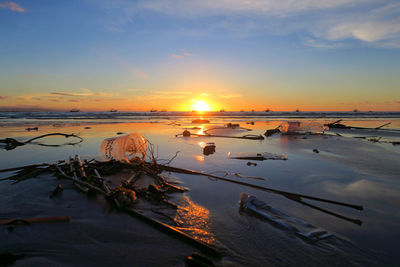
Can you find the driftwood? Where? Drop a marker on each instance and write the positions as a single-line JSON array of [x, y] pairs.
[[35, 220], [338, 125], [87, 175], [186, 133], [11, 143]]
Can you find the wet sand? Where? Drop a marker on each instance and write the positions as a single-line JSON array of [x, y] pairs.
[[346, 169]]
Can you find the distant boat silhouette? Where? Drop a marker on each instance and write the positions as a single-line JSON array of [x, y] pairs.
[[74, 110], [113, 110], [153, 110]]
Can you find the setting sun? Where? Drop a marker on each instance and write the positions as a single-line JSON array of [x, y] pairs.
[[200, 106]]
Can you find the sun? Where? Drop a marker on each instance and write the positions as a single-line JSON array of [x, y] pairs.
[[200, 106]]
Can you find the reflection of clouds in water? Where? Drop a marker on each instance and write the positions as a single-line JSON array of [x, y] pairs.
[[202, 144], [199, 158], [363, 189], [194, 220]]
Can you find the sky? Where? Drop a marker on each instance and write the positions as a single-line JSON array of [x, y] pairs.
[[311, 55]]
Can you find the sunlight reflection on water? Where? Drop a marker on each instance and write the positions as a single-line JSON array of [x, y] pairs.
[[194, 220]]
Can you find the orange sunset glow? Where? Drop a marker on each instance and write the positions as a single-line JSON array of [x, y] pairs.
[[201, 106]]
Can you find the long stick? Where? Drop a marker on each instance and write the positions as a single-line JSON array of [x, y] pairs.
[[251, 137], [356, 221], [386, 124], [51, 134], [80, 182], [36, 220], [25, 167], [284, 193]]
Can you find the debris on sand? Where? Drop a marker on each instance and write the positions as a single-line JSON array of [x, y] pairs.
[[11, 143], [280, 219], [32, 129], [200, 121], [186, 133], [123, 148], [58, 190], [297, 128], [257, 156], [209, 149]]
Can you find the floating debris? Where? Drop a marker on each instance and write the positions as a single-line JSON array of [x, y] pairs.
[[280, 219], [209, 149], [124, 148], [27, 221], [200, 121], [232, 125], [257, 156], [11, 143], [58, 190], [339, 125], [186, 133], [32, 129]]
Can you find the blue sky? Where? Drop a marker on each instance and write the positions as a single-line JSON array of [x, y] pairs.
[[254, 54]]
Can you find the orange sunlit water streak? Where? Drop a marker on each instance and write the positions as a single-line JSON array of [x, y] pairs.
[[195, 220]]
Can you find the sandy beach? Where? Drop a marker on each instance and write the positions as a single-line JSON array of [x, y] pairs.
[[340, 168]]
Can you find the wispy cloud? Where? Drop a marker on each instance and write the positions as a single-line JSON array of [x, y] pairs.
[[140, 73], [223, 7], [228, 96], [181, 55], [164, 95], [177, 56], [12, 6], [326, 24], [3, 97], [82, 93]]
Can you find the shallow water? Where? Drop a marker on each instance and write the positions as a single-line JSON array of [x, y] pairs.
[[346, 169]]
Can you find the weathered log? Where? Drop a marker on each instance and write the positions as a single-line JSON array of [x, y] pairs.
[[35, 220]]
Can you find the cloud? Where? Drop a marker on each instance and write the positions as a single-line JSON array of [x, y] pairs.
[[223, 7], [322, 44], [362, 188], [326, 24], [84, 92], [228, 96], [71, 94], [12, 6], [73, 100], [181, 55], [136, 90], [367, 31], [158, 94], [177, 56], [3, 97], [140, 73]]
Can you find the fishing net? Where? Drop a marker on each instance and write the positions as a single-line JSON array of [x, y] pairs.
[[124, 148]]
